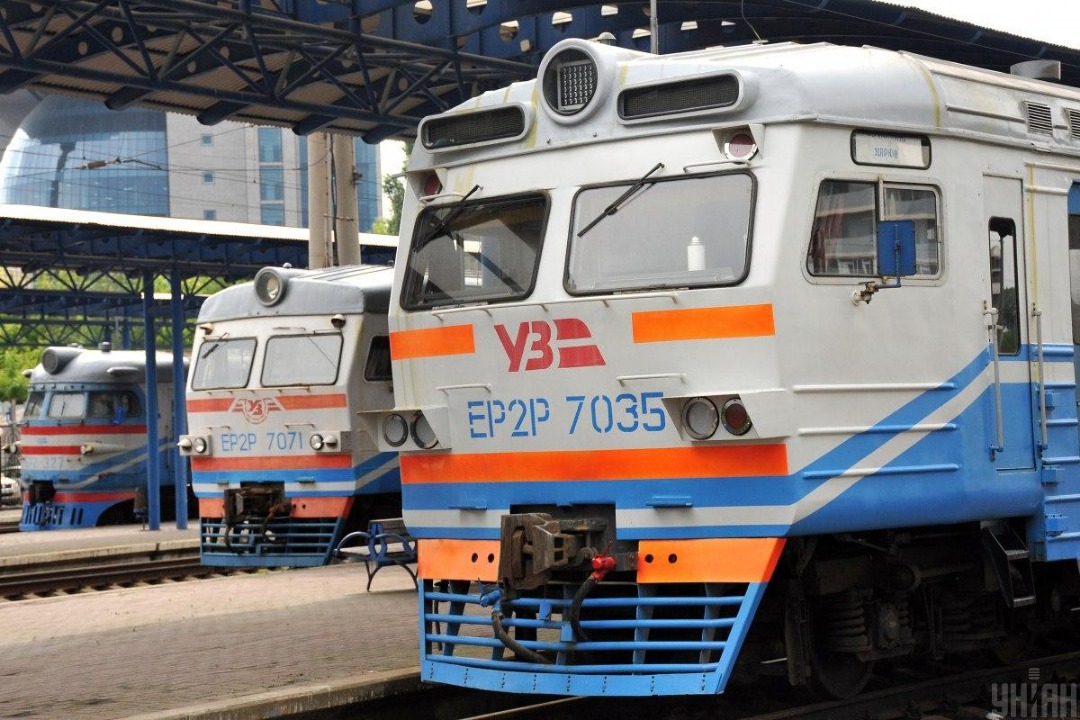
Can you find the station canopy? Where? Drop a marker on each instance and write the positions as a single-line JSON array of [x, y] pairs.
[[374, 68]]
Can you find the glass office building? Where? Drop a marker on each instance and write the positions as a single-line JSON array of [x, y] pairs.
[[78, 154]]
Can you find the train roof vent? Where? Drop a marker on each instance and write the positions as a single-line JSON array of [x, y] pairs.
[[505, 123], [1073, 116], [710, 93], [1038, 118]]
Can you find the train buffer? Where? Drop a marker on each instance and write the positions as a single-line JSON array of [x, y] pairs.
[[386, 542]]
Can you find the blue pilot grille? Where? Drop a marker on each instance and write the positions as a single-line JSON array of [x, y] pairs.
[[638, 636], [296, 542]]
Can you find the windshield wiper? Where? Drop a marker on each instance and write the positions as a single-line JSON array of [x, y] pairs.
[[614, 206], [455, 210]]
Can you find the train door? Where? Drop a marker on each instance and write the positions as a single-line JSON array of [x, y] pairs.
[[1074, 273], [1012, 437]]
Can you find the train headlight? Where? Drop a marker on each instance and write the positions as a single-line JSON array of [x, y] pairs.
[[576, 77], [422, 434], [735, 418], [320, 441], [269, 286], [395, 430], [700, 418], [199, 445]]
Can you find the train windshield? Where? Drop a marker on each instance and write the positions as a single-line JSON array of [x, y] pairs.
[[301, 360], [479, 251], [34, 401], [687, 232], [223, 363], [67, 405]]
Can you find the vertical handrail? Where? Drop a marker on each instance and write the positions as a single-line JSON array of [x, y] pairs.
[[993, 330], [1043, 440]]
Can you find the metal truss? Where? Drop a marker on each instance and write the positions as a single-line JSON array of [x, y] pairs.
[[376, 67]]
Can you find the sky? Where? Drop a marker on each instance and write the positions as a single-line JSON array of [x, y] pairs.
[[1054, 21]]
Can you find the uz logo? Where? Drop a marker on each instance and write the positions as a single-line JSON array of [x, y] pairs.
[[532, 344]]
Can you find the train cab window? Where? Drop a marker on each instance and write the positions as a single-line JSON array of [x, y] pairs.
[[223, 363], [301, 360], [843, 239], [34, 401], [474, 251], [67, 405], [687, 232], [377, 367], [101, 405]]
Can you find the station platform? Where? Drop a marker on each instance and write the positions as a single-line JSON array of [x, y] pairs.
[[222, 648], [30, 548]]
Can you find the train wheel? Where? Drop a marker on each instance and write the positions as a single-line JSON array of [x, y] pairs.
[[834, 674]]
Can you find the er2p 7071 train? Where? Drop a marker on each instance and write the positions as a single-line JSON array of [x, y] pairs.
[[758, 356], [280, 368]]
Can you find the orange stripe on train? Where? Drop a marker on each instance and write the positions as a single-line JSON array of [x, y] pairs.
[[270, 462], [448, 559], [311, 402], [715, 323], [735, 560], [432, 342], [637, 464]]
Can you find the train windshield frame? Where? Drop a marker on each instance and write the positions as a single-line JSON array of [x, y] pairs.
[[301, 359], [223, 363], [67, 405], [35, 401], [475, 251], [687, 231]]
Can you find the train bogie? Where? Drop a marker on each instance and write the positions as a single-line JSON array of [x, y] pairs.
[[754, 352]]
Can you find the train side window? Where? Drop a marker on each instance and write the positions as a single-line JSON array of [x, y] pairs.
[[102, 405], [843, 241], [32, 409], [223, 363], [377, 367], [1074, 275], [301, 360], [1003, 284], [67, 405]]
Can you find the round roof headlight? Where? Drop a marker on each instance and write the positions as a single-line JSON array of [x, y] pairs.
[[269, 286], [422, 433], [735, 418], [395, 430], [700, 418]]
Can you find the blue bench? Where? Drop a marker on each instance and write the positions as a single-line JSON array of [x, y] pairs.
[[386, 542]]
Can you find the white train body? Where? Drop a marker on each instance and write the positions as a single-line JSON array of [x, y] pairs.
[[278, 462], [83, 440], [679, 310]]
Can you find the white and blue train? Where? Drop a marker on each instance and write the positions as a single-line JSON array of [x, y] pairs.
[[83, 444], [280, 368], [759, 355]]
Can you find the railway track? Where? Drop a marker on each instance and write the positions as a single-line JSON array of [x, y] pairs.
[[932, 691], [9, 526], [84, 575]]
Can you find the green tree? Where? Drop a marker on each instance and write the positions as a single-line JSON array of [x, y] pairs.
[[395, 190], [12, 363]]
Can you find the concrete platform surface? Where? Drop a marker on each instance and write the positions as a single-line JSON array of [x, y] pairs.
[[228, 647], [28, 548]]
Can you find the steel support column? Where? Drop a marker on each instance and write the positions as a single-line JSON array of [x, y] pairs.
[[180, 462], [153, 457]]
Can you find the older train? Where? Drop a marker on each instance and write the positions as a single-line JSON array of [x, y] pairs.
[[281, 366], [757, 356], [83, 441]]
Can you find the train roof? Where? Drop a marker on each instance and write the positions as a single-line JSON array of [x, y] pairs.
[[347, 289], [82, 365], [787, 82]]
